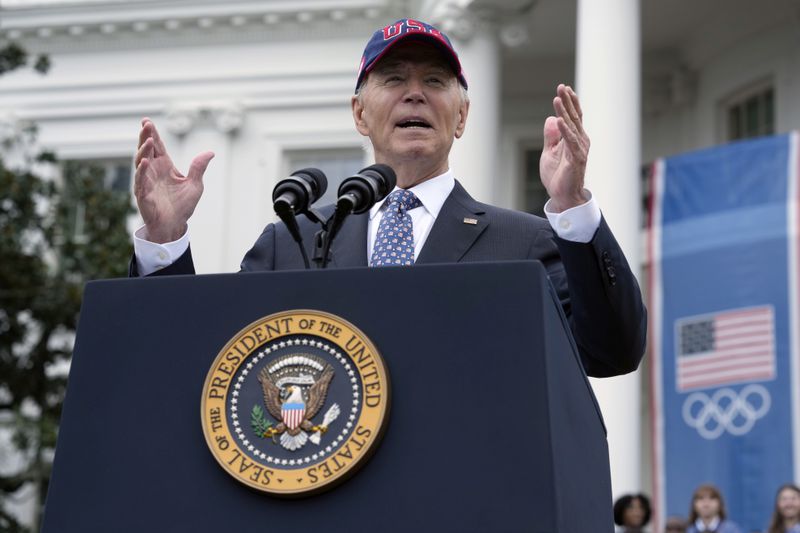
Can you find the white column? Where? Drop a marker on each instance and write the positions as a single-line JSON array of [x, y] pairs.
[[473, 157], [200, 128], [608, 84]]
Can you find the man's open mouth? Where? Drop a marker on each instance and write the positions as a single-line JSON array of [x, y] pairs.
[[413, 123]]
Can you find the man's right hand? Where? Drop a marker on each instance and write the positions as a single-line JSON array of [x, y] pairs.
[[166, 198]]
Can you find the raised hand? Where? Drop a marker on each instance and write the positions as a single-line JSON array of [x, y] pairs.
[[166, 198], [562, 166]]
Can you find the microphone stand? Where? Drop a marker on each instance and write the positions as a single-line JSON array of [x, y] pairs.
[[321, 251], [331, 228], [322, 239], [286, 214], [357, 194]]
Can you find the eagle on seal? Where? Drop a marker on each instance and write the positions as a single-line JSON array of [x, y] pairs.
[[289, 406]]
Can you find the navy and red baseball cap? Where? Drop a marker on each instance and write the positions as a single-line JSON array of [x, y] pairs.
[[402, 31]]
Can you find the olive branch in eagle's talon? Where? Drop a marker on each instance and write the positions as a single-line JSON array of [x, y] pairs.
[[261, 426]]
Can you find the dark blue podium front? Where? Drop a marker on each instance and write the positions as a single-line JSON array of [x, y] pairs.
[[493, 424]]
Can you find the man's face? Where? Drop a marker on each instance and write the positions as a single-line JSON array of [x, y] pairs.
[[411, 107]]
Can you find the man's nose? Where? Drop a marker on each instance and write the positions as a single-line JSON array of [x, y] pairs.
[[415, 90]]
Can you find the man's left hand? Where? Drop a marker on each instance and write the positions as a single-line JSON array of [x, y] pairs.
[[566, 149]]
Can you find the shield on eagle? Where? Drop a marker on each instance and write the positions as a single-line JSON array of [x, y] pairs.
[[293, 414]]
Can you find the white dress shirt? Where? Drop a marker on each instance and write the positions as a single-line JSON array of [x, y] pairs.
[[577, 224], [431, 193], [701, 526]]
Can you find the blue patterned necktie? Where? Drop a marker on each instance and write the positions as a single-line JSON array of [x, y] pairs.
[[394, 244]]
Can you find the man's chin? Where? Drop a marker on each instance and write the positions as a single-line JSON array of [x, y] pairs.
[[415, 148]]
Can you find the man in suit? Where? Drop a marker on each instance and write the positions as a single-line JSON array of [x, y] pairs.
[[411, 102]]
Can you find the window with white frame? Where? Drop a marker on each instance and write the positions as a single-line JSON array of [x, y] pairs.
[[751, 113], [116, 175], [534, 193], [336, 163]]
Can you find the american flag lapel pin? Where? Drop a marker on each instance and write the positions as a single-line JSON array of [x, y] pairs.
[[472, 221]]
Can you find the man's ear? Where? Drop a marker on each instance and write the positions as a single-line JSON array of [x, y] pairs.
[[463, 111], [358, 115]]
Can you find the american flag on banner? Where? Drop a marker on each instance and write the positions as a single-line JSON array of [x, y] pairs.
[[724, 303], [726, 347]]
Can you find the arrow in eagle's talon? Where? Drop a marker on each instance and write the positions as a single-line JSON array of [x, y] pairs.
[[319, 431], [330, 416]]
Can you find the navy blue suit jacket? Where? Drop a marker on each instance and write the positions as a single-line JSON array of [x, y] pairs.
[[597, 289]]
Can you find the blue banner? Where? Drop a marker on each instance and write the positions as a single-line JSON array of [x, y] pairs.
[[723, 303]]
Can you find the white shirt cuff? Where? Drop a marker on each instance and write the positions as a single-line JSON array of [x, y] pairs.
[[576, 224], [151, 256]]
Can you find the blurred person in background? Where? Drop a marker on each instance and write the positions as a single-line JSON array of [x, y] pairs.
[[675, 524], [631, 513], [707, 512], [786, 517]]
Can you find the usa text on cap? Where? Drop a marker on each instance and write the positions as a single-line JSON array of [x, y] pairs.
[[403, 30]]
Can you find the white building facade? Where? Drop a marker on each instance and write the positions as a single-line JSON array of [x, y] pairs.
[[266, 85]]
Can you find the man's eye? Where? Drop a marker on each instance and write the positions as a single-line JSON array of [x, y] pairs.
[[435, 81]]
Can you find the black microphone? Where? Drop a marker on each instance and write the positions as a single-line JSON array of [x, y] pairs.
[[358, 193], [296, 193]]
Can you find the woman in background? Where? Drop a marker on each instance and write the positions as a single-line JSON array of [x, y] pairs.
[[786, 517], [707, 512], [632, 513]]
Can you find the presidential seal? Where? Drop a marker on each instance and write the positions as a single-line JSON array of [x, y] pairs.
[[295, 403]]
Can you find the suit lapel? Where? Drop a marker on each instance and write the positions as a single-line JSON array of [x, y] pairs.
[[350, 246], [451, 236]]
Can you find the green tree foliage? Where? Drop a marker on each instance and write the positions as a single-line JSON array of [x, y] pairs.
[[13, 56], [45, 258]]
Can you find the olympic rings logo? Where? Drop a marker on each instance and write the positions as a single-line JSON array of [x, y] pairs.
[[725, 410]]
